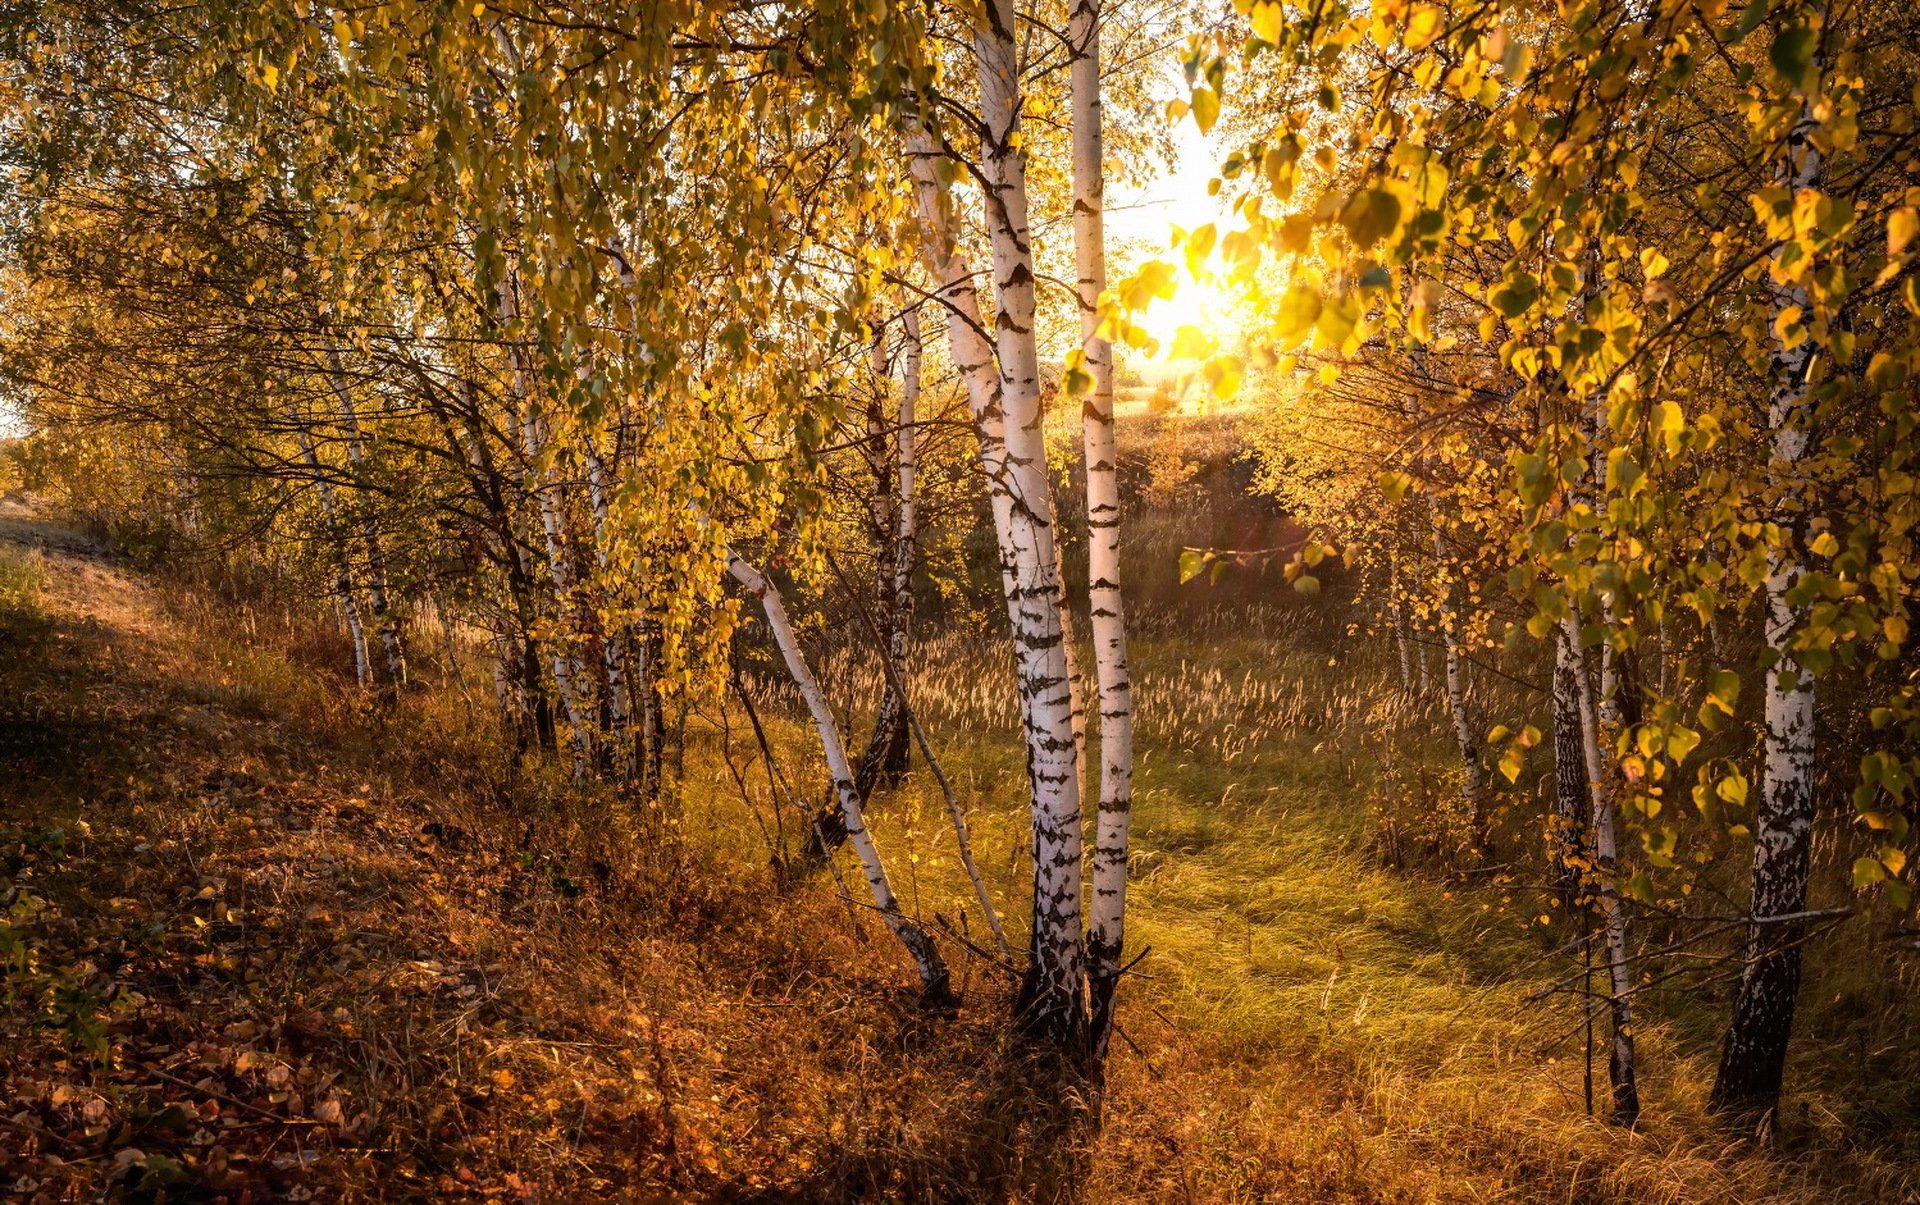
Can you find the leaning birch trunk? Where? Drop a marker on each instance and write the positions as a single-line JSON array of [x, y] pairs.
[[889, 748], [933, 972], [1052, 996], [342, 588], [1106, 922], [384, 619], [968, 342], [1599, 729], [1753, 1061], [613, 645]]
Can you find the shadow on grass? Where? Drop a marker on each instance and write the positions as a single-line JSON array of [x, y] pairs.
[[1026, 1133]]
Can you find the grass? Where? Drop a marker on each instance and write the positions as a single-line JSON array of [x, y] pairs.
[[1289, 962], [22, 574], [515, 989]]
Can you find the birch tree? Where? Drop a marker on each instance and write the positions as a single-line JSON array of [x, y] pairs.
[[894, 523], [385, 621], [1107, 919], [934, 981], [1754, 1058]]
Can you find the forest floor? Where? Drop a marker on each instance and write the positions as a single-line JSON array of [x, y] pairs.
[[265, 945]]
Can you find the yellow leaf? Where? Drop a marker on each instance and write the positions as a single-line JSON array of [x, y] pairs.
[[1191, 343], [1268, 20], [1423, 26], [1786, 327], [1225, 373], [1902, 225], [1199, 246], [1206, 108]]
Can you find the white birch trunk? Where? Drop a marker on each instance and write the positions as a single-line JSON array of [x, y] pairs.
[[1052, 995], [1567, 835], [384, 618], [567, 673], [613, 649], [342, 588], [971, 349], [1753, 1061], [1106, 928], [1463, 729], [906, 534], [891, 514], [933, 972], [1397, 615], [1599, 728]]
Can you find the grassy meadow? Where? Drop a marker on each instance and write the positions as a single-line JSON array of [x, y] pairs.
[[1331, 1003]]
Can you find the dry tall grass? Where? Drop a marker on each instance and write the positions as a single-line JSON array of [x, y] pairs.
[[512, 989]]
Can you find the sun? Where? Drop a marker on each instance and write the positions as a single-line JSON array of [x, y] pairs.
[[1192, 323]]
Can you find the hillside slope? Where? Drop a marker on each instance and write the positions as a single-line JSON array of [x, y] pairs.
[[263, 944]]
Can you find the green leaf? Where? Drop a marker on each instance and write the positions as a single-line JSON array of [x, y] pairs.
[[1515, 294], [1681, 742], [1792, 51], [1192, 563], [1535, 482], [1867, 872]]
